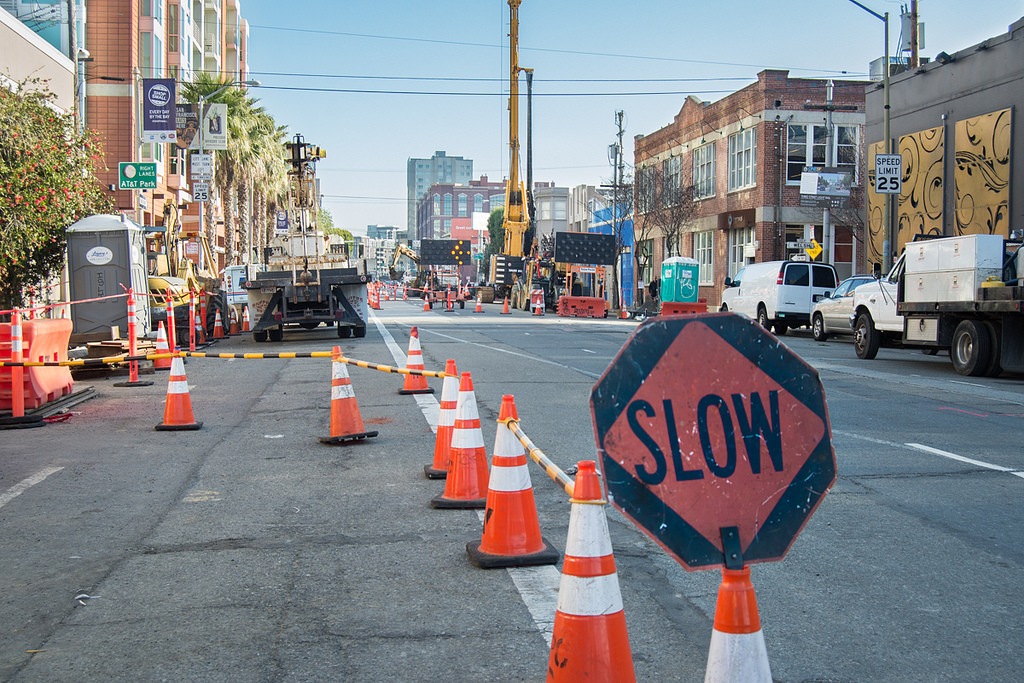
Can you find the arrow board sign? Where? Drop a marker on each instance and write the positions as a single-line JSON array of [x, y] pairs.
[[708, 423]]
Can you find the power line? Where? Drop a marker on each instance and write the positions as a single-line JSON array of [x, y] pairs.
[[585, 53]]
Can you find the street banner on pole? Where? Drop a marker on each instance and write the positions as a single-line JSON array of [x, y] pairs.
[[187, 126], [158, 110], [215, 127]]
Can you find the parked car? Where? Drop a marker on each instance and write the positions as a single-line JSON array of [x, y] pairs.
[[779, 294], [831, 315]]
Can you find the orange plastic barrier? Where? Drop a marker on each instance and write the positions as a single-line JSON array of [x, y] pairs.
[[582, 307], [677, 308], [45, 340]]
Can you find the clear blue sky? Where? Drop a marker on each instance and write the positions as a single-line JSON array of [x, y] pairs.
[[376, 83]]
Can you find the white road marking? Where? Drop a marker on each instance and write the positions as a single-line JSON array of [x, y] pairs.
[[933, 451], [25, 484], [538, 586], [969, 461]]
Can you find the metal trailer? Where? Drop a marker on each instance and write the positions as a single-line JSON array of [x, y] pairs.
[[337, 298]]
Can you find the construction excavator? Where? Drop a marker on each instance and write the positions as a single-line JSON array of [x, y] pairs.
[[396, 274]]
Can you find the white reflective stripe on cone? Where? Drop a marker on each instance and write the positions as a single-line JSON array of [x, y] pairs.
[[737, 657], [588, 535], [468, 438], [515, 478], [465, 408], [446, 418], [340, 391], [591, 596], [177, 386]]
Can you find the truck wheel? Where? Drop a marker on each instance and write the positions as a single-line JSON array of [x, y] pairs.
[[260, 336], [462, 304], [971, 350], [866, 339], [344, 332], [359, 332], [780, 328], [818, 328], [762, 317], [276, 334]]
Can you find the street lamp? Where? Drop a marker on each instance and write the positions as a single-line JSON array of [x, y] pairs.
[[887, 238], [202, 101]]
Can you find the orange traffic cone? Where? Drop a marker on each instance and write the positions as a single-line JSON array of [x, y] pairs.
[[161, 347], [405, 293], [346, 423], [445, 423], [737, 650], [246, 321], [511, 536], [218, 326], [504, 309], [178, 409], [466, 483], [479, 304], [426, 304], [590, 639], [233, 322], [415, 384], [624, 314]]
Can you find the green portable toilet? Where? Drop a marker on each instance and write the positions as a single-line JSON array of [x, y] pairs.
[[679, 279]]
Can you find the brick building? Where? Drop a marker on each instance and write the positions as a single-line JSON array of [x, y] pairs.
[[444, 204], [721, 183]]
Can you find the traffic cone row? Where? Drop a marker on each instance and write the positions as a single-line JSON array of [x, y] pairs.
[[466, 483], [218, 326], [161, 348], [589, 641], [737, 651], [445, 423], [178, 408], [346, 422], [511, 536], [415, 384]]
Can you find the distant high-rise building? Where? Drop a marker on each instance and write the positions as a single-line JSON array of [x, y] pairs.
[[422, 173]]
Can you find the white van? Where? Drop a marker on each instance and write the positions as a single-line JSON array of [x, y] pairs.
[[779, 294]]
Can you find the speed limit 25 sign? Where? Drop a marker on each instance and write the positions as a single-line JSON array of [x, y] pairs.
[[888, 173]]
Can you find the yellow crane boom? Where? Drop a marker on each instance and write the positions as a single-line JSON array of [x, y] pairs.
[[517, 218]]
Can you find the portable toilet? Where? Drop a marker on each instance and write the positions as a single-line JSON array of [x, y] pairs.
[[679, 276], [106, 257]]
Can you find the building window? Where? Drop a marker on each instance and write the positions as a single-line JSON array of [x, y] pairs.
[[739, 241], [645, 189], [743, 159], [447, 228], [560, 209], [671, 180], [447, 205], [436, 229], [806, 144], [704, 252], [704, 171], [463, 205], [437, 204], [478, 203], [172, 28], [544, 209]]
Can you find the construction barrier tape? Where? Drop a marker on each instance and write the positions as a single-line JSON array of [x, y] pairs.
[[537, 455], [123, 358]]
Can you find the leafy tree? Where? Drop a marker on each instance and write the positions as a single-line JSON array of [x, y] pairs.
[[495, 232], [325, 221], [47, 182]]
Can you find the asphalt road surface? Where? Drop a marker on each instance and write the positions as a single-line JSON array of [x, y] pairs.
[[248, 551]]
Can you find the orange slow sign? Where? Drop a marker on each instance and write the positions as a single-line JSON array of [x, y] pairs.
[[706, 423]]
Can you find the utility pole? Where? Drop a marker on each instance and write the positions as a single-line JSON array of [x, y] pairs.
[[914, 37], [618, 189]]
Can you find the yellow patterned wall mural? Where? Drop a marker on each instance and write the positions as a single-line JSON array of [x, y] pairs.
[[876, 209], [982, 174], [920, 203]]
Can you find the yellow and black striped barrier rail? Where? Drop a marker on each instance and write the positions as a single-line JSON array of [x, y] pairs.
[[537, 455], [125, 358]]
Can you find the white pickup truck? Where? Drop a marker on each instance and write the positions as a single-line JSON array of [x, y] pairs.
[[957, 293]]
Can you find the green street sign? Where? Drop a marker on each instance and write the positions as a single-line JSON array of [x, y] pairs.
[[136, 176]]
